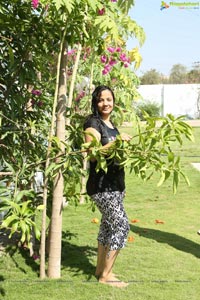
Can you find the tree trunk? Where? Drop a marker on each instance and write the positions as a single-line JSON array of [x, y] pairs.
[[83, 180], [85, 162], [58, 186], [74, 73], [45, 188]]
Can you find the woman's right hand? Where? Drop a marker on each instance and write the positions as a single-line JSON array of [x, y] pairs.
[[125, 137]]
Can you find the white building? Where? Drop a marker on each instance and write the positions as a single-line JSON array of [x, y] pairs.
[[176, 99]]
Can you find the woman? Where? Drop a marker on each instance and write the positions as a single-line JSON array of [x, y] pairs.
[[107, 189]]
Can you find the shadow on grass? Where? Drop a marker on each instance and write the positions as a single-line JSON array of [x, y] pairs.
[[10, 246], [77, 258], [2, 291], [29, 261], [178, 242]]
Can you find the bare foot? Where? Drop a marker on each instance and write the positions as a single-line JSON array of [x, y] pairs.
[[113, 281], [98, 275]]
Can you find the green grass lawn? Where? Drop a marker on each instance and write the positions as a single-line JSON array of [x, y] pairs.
[[162, 261]]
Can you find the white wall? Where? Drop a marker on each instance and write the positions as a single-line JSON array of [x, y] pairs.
[[177, 99]]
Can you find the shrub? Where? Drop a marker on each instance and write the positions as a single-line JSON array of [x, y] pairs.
[[151, 108]]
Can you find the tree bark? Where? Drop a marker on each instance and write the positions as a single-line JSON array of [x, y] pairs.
[[85, 162], [74, 73], [45, 189], [54, 265]]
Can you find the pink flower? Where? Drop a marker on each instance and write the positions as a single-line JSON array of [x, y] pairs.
[[35, 256], [36, 92], [80, 96], [113, 0], [101, 12], [40, 104], [106, 69], [112, 62], [111, 49], [126, 65], [85, 56], [104, 72], [118, 49], [70, 52], [35, 3], [123, 57], [33, 102], [103, 59]]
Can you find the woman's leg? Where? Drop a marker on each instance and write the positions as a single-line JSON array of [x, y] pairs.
[[107, 277], [109, 260], [112, 235], [101, 253], [102, 265]]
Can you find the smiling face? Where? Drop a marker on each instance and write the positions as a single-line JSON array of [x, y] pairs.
[[105, 104]]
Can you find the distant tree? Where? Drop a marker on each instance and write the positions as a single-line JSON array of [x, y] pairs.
[[178, 74], [151, 77], [193, 76]]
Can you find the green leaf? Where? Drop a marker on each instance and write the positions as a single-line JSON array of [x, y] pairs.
[[14, 226], [162, 179], [23, 193], [170, 156], [69, 4], [185, 178], [125, 5], [167, 174], [11, 56], [37, 233], [7, 222], [93, 4], [175, 181], [24, 207], [40, 207], [51, 167], [22, 225]]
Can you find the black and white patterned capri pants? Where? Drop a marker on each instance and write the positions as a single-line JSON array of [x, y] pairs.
[[114, 226]]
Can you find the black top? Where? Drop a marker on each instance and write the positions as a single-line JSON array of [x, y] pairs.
[[113, 180]]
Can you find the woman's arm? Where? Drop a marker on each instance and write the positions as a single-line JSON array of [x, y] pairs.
[[94, 132]]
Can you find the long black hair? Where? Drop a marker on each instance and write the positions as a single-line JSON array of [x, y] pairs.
[[96, 97]]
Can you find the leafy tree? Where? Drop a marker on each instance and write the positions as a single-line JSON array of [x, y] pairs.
[[193, 76], [151, 77], [178, 74], [36, 34]]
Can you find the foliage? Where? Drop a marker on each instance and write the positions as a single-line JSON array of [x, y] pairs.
[[151, 108], [19, 215], [193, 76], [178, 75], [167, 248], [149, 150], [151, 77], [31, 34]]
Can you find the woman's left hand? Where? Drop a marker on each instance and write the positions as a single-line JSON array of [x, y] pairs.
[[125, 137]]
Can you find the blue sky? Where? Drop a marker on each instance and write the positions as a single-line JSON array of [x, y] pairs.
[[172, 35]]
